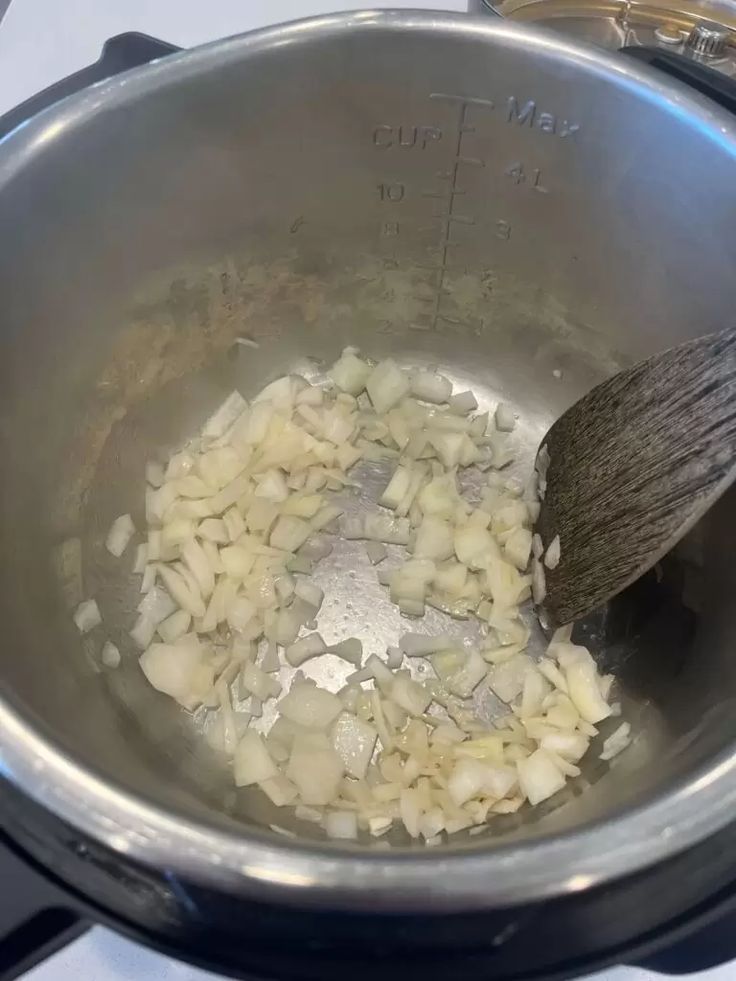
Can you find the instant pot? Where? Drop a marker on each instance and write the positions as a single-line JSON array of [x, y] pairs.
[[466, 190]]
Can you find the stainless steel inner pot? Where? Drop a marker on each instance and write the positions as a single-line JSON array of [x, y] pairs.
[[466, 193]]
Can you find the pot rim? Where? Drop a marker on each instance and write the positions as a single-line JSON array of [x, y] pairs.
[[265, 865]]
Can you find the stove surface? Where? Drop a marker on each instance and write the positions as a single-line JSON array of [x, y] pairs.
[[42, 41]]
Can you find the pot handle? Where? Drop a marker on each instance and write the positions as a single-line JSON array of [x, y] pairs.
[[717, 86], [120, 53]]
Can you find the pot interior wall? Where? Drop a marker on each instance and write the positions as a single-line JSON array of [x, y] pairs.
[[489, 207]]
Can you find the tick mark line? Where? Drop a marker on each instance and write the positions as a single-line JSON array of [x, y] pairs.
[[466, 99]]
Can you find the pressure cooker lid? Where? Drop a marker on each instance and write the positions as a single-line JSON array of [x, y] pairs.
[[705, 32]]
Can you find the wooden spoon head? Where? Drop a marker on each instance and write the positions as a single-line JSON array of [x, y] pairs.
[[632, 466]]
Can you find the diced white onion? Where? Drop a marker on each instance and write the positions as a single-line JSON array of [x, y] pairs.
[[174, 626], [386, 385], [311, 707], [421, 645], [110, 655], [252, 762], [156, 605], [350, 650], [310, 592], [143, 631], [290, 533], [616, 742], [539, 778], [87, 616], [552, 555], [302, 650], [430, 387], [235, 516], [504, 418], [141, 558], [341, 824], [463, 403], [376, 552], [120, 533], [316, 770], [350, 373]]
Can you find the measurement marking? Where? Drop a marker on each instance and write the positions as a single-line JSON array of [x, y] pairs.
[[442, 196], [461, 219], [452, 320], [445, 243], [465, 99], [468, 129], [471, 161]]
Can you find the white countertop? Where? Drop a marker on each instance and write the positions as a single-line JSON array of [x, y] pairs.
[[41, 41]]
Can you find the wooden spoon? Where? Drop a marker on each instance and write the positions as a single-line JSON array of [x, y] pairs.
[[632, 466]]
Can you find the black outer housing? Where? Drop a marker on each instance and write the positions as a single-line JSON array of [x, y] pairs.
[[676, 917], [685, 906]]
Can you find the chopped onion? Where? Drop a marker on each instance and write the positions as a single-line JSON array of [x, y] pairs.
[[110, 655], [539, 778], [143, 631], [290, 533], [178, 670], [435, 539], [410, 695], [397, 488], [258, 683], [224, 416], [156, 605], [354, 740], [518, 546], [174, 626], [507, 679], [141, 558], [616, 742], [552, 555], [252, 762], [309, 592], [386, 385], [316, 770], [121, 531], [430, 387], [311, 707], [177, 586], [539, 584], [463, 403], [87, 616], [504, 418], [464, 682], [421, 645], [474, 546], [272, 486], [235, 514], [376, 552], [350, 650], [304, 649], [149, 579], [584, 692], [155, 473], [237, 561], [350, 373], [341, 824], [279, 790]]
